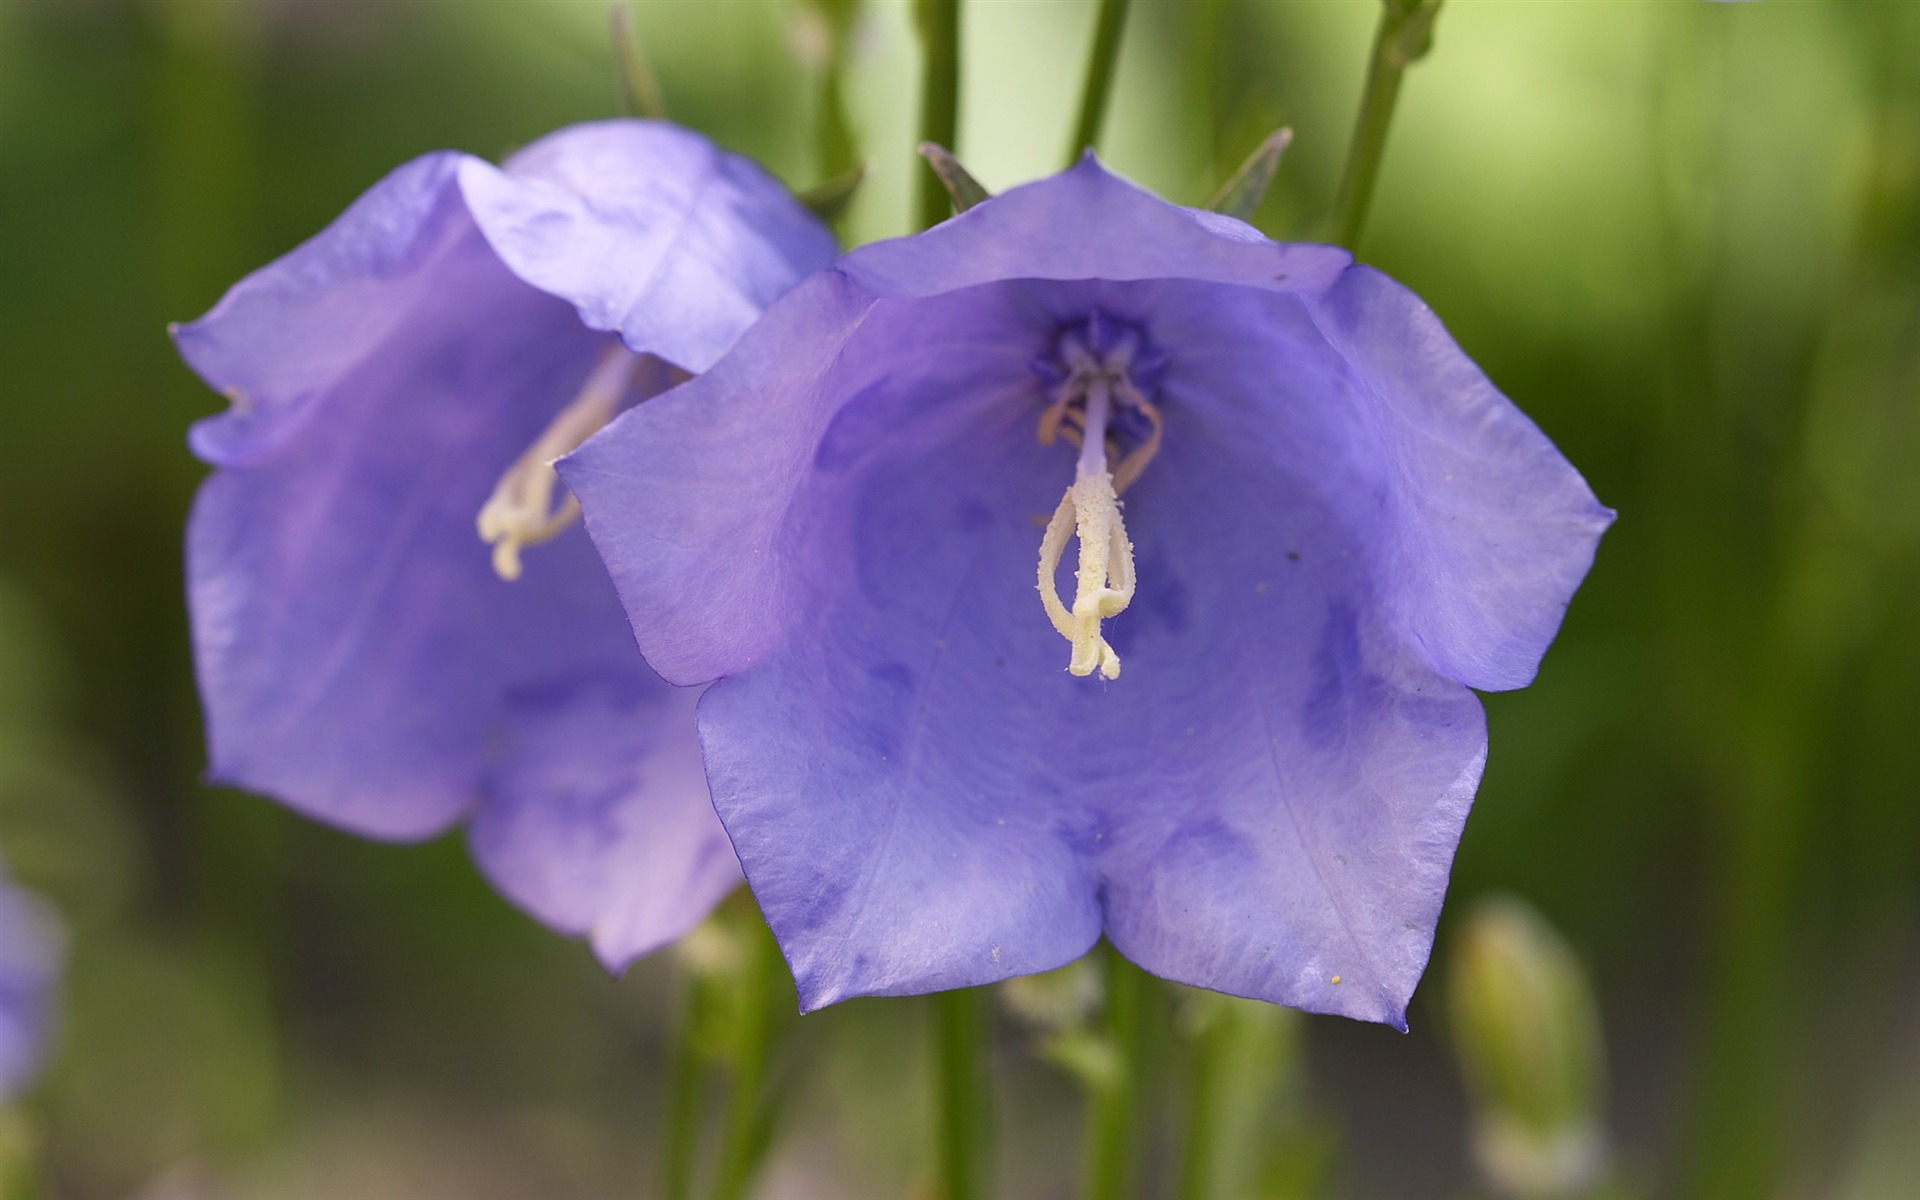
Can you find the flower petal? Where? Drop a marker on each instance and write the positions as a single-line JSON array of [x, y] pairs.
[[596, 818], [360, 661], [1087, 223], [353, 643], [717, 465], [31, 949], [1495, 528], [289, 332], [650, 230], [1315, 773]]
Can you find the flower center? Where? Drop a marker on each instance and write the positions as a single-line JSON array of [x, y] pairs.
[[521, 510], [1098, 403]]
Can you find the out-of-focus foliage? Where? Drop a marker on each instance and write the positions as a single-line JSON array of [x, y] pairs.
[[1684, 237]]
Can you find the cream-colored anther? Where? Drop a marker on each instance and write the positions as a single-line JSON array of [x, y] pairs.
[[521, 512], [1104, 582]]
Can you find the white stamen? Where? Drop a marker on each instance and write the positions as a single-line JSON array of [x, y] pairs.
[[1104, 582], [520, 512], [1093, 446]]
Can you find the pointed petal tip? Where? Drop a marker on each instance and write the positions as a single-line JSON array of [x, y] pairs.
[[614, 961], [1375, 1010], [619, 953], [1392, 1011], [1089, 161], [815, 995]]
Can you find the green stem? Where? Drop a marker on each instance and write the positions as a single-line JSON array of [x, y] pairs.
[[939, 99], [1200, 1165], [683, 1099], [748, 1122], [1093, 99], [835, 149], [964, 1099], [833, 133], [1405, 33], [1113, 1111], [640, 92], [1244, 1130]]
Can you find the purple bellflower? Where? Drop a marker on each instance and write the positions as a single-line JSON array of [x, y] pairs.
[[30, 954], [1333, 528], [400, 385]]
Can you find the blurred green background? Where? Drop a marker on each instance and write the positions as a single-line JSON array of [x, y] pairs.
[[1685, 237]]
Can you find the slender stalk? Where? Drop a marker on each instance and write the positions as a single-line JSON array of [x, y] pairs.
[[834, 22], [1113, 1110], [1405, 34], [834, 146], [1369, 142], [1244, 1127], [682, 1130], [1107, 28], [939, 100], [640, 92], [1200, 1165], [747, 1125], [963, 1099]]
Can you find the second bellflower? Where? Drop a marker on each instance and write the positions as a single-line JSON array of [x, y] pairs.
[[1235, 729], [406, 376], [31, 949]]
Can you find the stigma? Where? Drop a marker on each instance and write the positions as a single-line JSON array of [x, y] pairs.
[[521, 511], [1098, 405]]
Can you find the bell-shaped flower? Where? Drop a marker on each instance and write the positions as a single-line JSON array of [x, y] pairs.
[[400, 385], [31, 950], [1238, 737]]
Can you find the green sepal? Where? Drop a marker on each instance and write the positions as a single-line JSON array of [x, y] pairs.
[[1240, 196], [965, 190]]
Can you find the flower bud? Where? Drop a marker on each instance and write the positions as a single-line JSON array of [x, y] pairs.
[[1528, 1037]]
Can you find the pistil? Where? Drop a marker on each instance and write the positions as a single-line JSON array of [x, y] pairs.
[[1083, 411], [521, 510]]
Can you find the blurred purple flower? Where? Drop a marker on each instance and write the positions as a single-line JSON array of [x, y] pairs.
[[1340, 527], [426, 355], [31, 949]]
